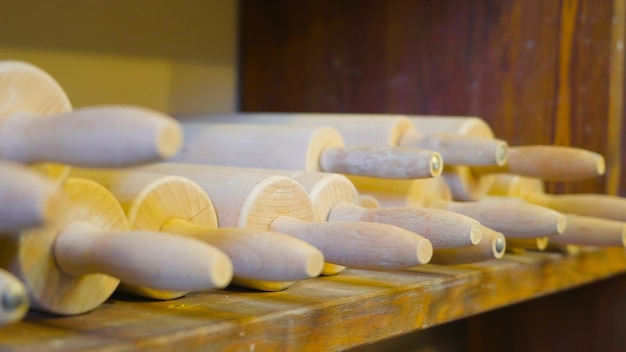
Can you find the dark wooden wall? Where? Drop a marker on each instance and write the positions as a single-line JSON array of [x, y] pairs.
[[539, 71]]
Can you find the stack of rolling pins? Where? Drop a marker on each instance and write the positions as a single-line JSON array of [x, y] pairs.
[[124, 198]]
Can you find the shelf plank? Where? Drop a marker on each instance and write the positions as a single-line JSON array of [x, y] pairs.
[[330, 313]]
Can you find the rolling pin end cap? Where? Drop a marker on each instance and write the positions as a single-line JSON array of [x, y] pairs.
[[14, 298], [502, 154], [500, 246], [436, 164], [476, 234], [624, 236], [561, 224], [601, 166], [169, 140], [315, 264], [424, 252], [221, 272]]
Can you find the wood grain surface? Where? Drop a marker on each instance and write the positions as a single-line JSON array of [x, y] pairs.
[[540, 72], [329, 313]]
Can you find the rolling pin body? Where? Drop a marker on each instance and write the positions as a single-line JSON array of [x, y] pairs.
[[66, 265], [177, 205], [380, 130], [247, 199], [304, 148], [37, 125]]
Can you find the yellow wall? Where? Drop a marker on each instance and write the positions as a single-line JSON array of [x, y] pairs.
[[178, 57]]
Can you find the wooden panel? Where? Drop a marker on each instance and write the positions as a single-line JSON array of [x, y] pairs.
[[538, 71], [332, 313]]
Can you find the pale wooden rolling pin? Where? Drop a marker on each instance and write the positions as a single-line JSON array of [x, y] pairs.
[[546, 162], [580, 230], [532, 191], [13, 299], [26, 198], [37, 125], [247, 199], [301, 148], [513, 219], [72, 265], [491, 246], [336, 199], [176, 204], [378, 129]]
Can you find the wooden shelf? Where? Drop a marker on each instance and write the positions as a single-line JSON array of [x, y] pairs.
[[331, 313]]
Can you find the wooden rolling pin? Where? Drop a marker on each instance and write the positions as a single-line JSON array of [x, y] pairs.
[[72, 264], [378, 129], [532, 191], [580, 230], [13, 299], [27, 198], [37, 125], [175, 204], [335, 198], [546, 162], [247, 199], [491, 246], [514, 219], [302, 148]]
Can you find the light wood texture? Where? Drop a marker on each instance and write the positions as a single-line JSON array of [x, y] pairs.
[[301, 148], [99, 136], [379, 130], [13, 299], [74, 241], [514, 218], [175, 204], [492, 245], [322, 314], [590, 231], [141, 258], [550, 163], [26, 198], [361, 243], [246, 198], [368, 201], [532, 190]]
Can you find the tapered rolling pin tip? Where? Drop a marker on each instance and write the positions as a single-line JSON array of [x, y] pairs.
[[315, 264], [424, 252], [169, 139], [476, 234], [601, 166], [13, 299]]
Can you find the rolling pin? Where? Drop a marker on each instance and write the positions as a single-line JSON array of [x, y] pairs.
[[532, 191], [177, 205], [580, 230], [552, 163], [27, 198], [37, 125], [335, 198], [244, 198], [514, 219], [302, 148], [491, 246], [13, 299], [380, 130], [72, 264]]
